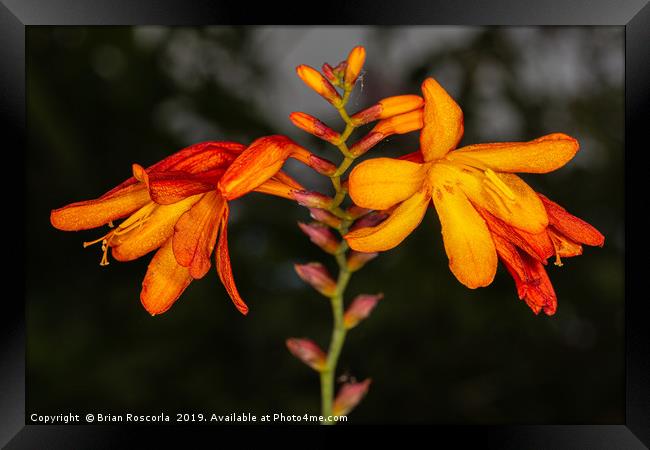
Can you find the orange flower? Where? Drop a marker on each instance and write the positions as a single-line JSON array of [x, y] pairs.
[[467, 185], [174, 207]]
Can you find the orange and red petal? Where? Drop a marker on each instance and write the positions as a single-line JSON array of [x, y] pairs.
[[164, 282], [531, 279], [224, 268], [259, 162], [443, 121], [195, 234], [570, 226], [94, 213]]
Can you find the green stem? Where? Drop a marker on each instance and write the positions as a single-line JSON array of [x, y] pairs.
[[328, 374]]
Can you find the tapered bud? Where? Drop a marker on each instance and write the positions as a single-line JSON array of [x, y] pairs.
[[328, 71], [317, 276], [349, 397], [356, 260], [308, 352], [356, 211], [355, 61], [321, 236], [312, 125], [325, 217], [369, 220], [366, 143], [359, 309], [400, 124], [388, 107], [312, 78], [312, 199], [321, 165]]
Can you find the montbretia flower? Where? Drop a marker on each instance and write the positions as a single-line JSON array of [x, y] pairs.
[[173, 207], [464, 185]]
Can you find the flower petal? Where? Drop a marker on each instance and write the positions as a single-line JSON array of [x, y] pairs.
[[531, 279], [154, 231], [94, 213], [195, 234], [504, 195], [572, 227], [380, 183], [468, 243], [224, 268], [541, 155], [170, 187], [259, 162], [391, 232], [164, 282], [443, 121]]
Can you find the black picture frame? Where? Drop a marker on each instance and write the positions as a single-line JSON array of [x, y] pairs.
[[633, 15]]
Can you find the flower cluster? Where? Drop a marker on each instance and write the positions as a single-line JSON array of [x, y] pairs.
[[179, 207]]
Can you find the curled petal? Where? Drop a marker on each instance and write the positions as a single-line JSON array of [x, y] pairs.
[[391, 232], [382, 182], [541, 155], [164, 282], [94, 213], [443, 121], [468, 243], [224, 269], [170, 187], [195, 234]]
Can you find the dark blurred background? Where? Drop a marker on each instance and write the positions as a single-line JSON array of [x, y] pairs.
[[100, 99]]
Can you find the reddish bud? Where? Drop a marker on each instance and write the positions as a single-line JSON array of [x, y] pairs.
[[308, 352], [312, 78], [312, 199], [339, 70], [321, 236], [312, 125], [321, 165], [357, 211], [369, 220], [349, 397], [366, 143], [355, 61], [356, 260], [316, 275], [328, 71], [360, 309], [325, 217]]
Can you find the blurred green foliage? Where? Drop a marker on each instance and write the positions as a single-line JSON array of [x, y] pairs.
[[100, 99]]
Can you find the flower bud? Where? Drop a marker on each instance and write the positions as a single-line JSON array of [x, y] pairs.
[[321, 165], [400, 124], [325, 217], [316, 275], [321, 236], [312, 125], [312, 78], [369, 220], [355, 61], [312, 199], [360, 309], [366, 143], [388, 107], [356, 260], [328, 71], [349, 397], [308, 352]]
